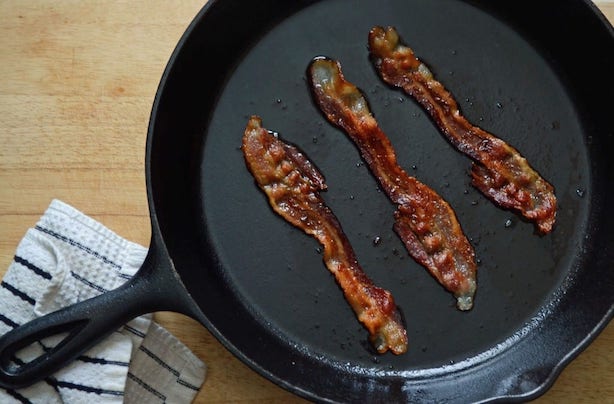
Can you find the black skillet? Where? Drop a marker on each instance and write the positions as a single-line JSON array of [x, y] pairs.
[[537, 73]]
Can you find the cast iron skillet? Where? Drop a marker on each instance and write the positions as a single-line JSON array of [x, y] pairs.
[[538, 74]]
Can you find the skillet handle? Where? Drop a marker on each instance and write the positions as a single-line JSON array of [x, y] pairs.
[[155, 287]]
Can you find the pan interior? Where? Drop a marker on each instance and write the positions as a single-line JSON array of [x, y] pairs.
[[502, 83]]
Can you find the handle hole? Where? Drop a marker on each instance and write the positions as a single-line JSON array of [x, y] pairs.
[[36, 346]]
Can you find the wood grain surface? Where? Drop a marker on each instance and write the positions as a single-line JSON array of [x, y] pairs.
[[77, 81]]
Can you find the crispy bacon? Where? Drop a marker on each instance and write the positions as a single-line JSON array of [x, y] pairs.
[[292, 184], [498, 170], [424, 221]]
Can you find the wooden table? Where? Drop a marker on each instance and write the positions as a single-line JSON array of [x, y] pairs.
[[77, 81]]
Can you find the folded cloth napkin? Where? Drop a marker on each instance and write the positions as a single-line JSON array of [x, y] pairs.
[[69, 257]]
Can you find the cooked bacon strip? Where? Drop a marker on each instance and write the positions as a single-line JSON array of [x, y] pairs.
[[498, 170], [292, 185], [424, 221]]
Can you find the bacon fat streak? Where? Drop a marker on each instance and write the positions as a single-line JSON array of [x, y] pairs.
[[498, 170], [424, 221], [292, 184]]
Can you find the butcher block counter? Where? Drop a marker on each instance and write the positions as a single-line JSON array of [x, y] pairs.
[[77, 82]]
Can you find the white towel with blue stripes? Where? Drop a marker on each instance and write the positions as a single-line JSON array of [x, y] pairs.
[[68, 257]]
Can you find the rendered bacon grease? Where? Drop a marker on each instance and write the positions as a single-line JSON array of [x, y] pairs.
[[292, 184], [498, 170], [425, 222]]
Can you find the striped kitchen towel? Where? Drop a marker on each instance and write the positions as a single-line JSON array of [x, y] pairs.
[[69, 257]]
